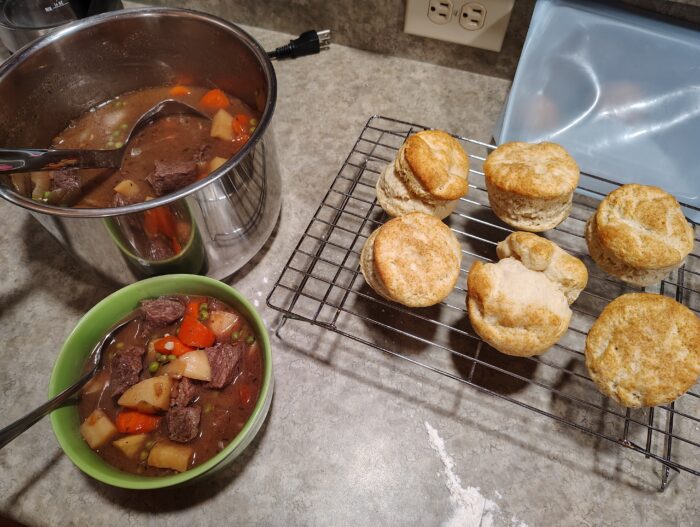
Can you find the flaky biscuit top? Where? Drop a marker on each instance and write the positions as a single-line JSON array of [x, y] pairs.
[[536, 170], [644, 227], [438, 163]]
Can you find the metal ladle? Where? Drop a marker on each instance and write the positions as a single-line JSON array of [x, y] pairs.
[[22, 424], [31, 159]]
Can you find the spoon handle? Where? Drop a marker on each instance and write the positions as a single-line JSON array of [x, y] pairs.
[[35, 159], [11, 431]]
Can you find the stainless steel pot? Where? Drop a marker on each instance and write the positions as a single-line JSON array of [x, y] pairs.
[[230, 214], [23, 21]]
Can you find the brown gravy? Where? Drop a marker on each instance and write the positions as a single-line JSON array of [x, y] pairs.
[[173, 138]]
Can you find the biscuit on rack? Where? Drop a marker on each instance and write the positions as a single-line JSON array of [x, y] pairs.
[[531, 186], [396, 200], [429, 174], [514, 309], [639, 234], [413, 260], [567, 272], [644, 350]]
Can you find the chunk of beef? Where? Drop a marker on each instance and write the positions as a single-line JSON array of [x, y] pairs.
[[202, 154], [158, 248], [169, 176], [162, 311], [184, 393], [223, 359], [183, 423], [67, 179], [126, 368]]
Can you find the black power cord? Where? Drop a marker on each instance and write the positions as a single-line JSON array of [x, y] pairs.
[[308, 43]]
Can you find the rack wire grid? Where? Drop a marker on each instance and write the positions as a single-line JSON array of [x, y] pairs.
[[321, 284]]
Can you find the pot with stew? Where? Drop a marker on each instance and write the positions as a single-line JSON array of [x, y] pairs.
[[194, 193]]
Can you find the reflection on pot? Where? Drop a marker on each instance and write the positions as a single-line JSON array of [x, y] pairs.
[[160, 240]]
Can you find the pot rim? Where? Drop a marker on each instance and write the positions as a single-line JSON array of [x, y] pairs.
[[73, 27]]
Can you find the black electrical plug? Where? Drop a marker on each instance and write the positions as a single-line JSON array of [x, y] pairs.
[[308, 43]]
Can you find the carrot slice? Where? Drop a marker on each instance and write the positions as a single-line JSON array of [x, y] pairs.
[[133, 422], [194, 333], [214, 100], [179, 90], [192, 307], [171, 346]]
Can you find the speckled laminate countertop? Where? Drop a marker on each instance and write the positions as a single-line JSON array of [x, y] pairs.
[[347, 439]]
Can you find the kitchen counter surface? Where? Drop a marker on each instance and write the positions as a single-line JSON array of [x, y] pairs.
[[354, 437]]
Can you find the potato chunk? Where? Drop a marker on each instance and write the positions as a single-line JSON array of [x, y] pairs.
[[193, 364], [216, 163], [222, 125], [166, 454], [127, 188], [131, 445], [148, 396], [97, 429], [222, 323]]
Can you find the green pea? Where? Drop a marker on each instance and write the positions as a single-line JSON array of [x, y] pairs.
[[253, 122], [160, 357], [143, 456], [251, 129], [123, 126], [172, 357], [250, 340], [235, 336], [150, 444], [118, 144], [153, 367], [115, 133]]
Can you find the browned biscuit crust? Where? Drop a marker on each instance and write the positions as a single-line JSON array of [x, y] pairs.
[[434, 165], [416, 259], [541, 170], [644, 350], [643, 227]]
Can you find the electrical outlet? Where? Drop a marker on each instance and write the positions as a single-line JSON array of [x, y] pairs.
[[439, 11], [480, 24], [472, 16]]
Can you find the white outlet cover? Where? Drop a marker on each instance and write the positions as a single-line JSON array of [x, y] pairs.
[[489, 36]]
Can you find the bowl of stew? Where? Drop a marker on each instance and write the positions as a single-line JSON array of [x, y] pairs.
[[182, 389], [196, 193]]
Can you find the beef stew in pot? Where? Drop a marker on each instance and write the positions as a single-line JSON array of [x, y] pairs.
[[177, 384], [167, 155]]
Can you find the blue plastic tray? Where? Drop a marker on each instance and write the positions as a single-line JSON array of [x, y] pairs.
[[618, 89]]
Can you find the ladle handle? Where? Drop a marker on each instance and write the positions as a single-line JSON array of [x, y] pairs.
[[33, 159], [11, 431]]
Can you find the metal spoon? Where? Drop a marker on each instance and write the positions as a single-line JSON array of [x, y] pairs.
[[11, 431], [30, 160]]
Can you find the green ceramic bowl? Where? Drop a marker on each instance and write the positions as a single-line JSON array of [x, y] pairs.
[[95, 324]]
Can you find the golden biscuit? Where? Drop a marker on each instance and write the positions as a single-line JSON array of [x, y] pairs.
[[531, 186], [644, 350], [433, 165], [639, 234], [414, 260]]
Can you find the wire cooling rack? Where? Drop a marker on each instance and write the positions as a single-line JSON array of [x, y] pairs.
[[322, 284]]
